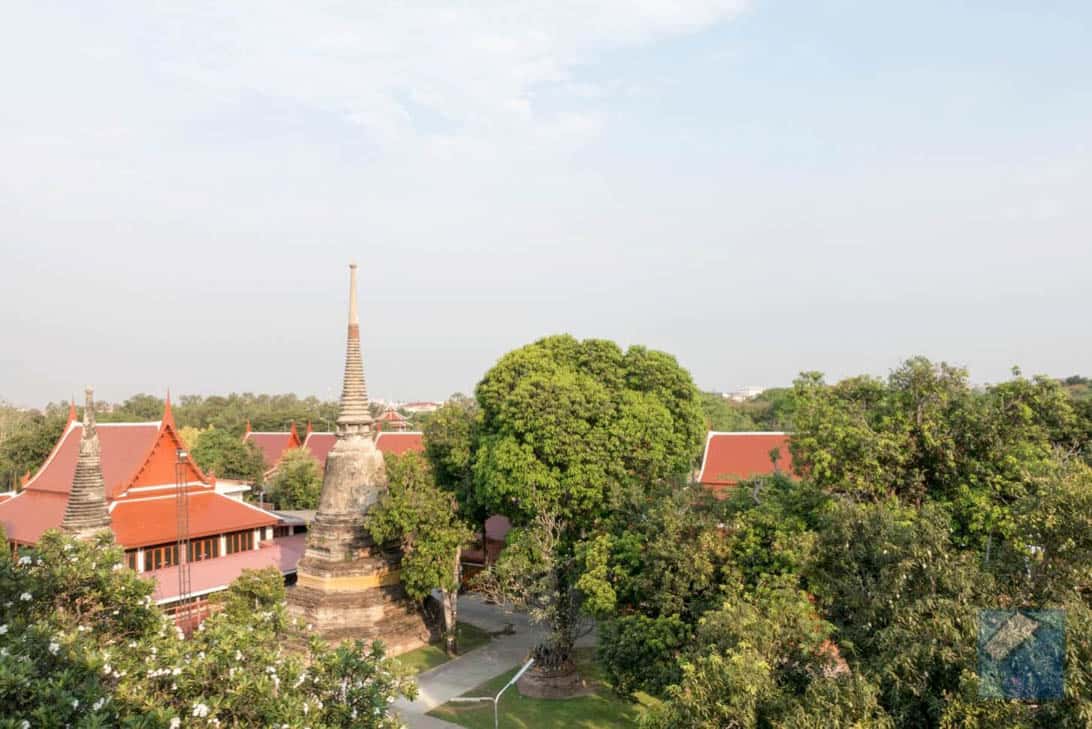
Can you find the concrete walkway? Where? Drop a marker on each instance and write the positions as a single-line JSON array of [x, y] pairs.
[[456, 677]]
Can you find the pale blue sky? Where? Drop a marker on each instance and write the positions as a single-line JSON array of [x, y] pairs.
[[759, 188]]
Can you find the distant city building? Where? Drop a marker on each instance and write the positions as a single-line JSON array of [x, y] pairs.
[[744, 394], [390, 419], [421, 407], [733, 457]]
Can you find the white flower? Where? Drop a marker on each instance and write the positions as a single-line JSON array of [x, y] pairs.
[[54, 647], [24, 560], [3, 629], [106, 669], [75, 703], [24, 724], [175, 723], [200, 710], [26, 597], [98, 704]]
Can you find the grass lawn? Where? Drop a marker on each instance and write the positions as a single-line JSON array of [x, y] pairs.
[[600, 710], [430, 656]]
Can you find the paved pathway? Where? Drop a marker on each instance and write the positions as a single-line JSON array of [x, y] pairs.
[[458, 676]]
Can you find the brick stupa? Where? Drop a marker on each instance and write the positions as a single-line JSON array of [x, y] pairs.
[[86, 513], [347, 587]]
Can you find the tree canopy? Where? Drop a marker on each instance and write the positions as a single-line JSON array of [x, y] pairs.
[[82, 645], [569, 429], [226, 455]]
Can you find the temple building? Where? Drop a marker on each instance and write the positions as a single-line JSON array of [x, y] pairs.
[[733, 457], [130, 478], [347, 586], [391, 420], [273, 445]]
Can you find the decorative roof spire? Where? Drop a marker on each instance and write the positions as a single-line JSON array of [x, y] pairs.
[[86, 513], [168, 414], [354, 415], [73, 416]]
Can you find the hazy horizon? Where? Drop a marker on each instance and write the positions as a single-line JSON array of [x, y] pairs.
[[731, 182]]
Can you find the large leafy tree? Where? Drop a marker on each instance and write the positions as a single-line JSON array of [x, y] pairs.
[[426, 522], [81, 644], [568, 429], [26, 444], [926, 434], [297, 482], [228, 456]]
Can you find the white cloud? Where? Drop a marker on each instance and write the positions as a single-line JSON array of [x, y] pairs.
[[476, 66]]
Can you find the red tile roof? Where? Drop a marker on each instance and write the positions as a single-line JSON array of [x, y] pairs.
[[388, 442], [28, 514], [399, 443], [125, 446], [215, 574], [320, 444], [732, 457], [139, 522], [272, 445]]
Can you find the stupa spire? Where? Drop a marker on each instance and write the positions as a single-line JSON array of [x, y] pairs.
[[86, 513], [354, 415]]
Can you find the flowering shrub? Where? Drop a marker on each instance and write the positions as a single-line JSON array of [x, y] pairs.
[[81, 644]]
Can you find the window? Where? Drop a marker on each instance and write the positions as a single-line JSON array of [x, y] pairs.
[[282, 531], [205, 548], [163, 555], [130, 558], [240, 541]]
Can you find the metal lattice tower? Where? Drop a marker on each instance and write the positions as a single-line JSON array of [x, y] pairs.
[[182, 509]]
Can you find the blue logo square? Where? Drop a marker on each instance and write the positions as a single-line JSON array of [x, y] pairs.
[[1021, 654]]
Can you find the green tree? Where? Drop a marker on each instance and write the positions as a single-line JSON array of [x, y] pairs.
[[569, 427], [228, 456], [764, 659], [425, 521], [451, 440], [723, 414], [925, 433], [297, 482], [27, 445], [81, 644]]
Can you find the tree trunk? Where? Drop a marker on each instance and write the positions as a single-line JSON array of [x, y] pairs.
[[450, 601]]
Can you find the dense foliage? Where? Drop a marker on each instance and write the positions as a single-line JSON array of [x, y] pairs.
[[82, 645], [568, 429], [228, 456], [851, 597], [297, 482], [426, 523]]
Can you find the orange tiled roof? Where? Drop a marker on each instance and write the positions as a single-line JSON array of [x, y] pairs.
[[272, 445], [125, 447], [732, 457], [138, 522], [29, 513], [399, 443], [388, 442]]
